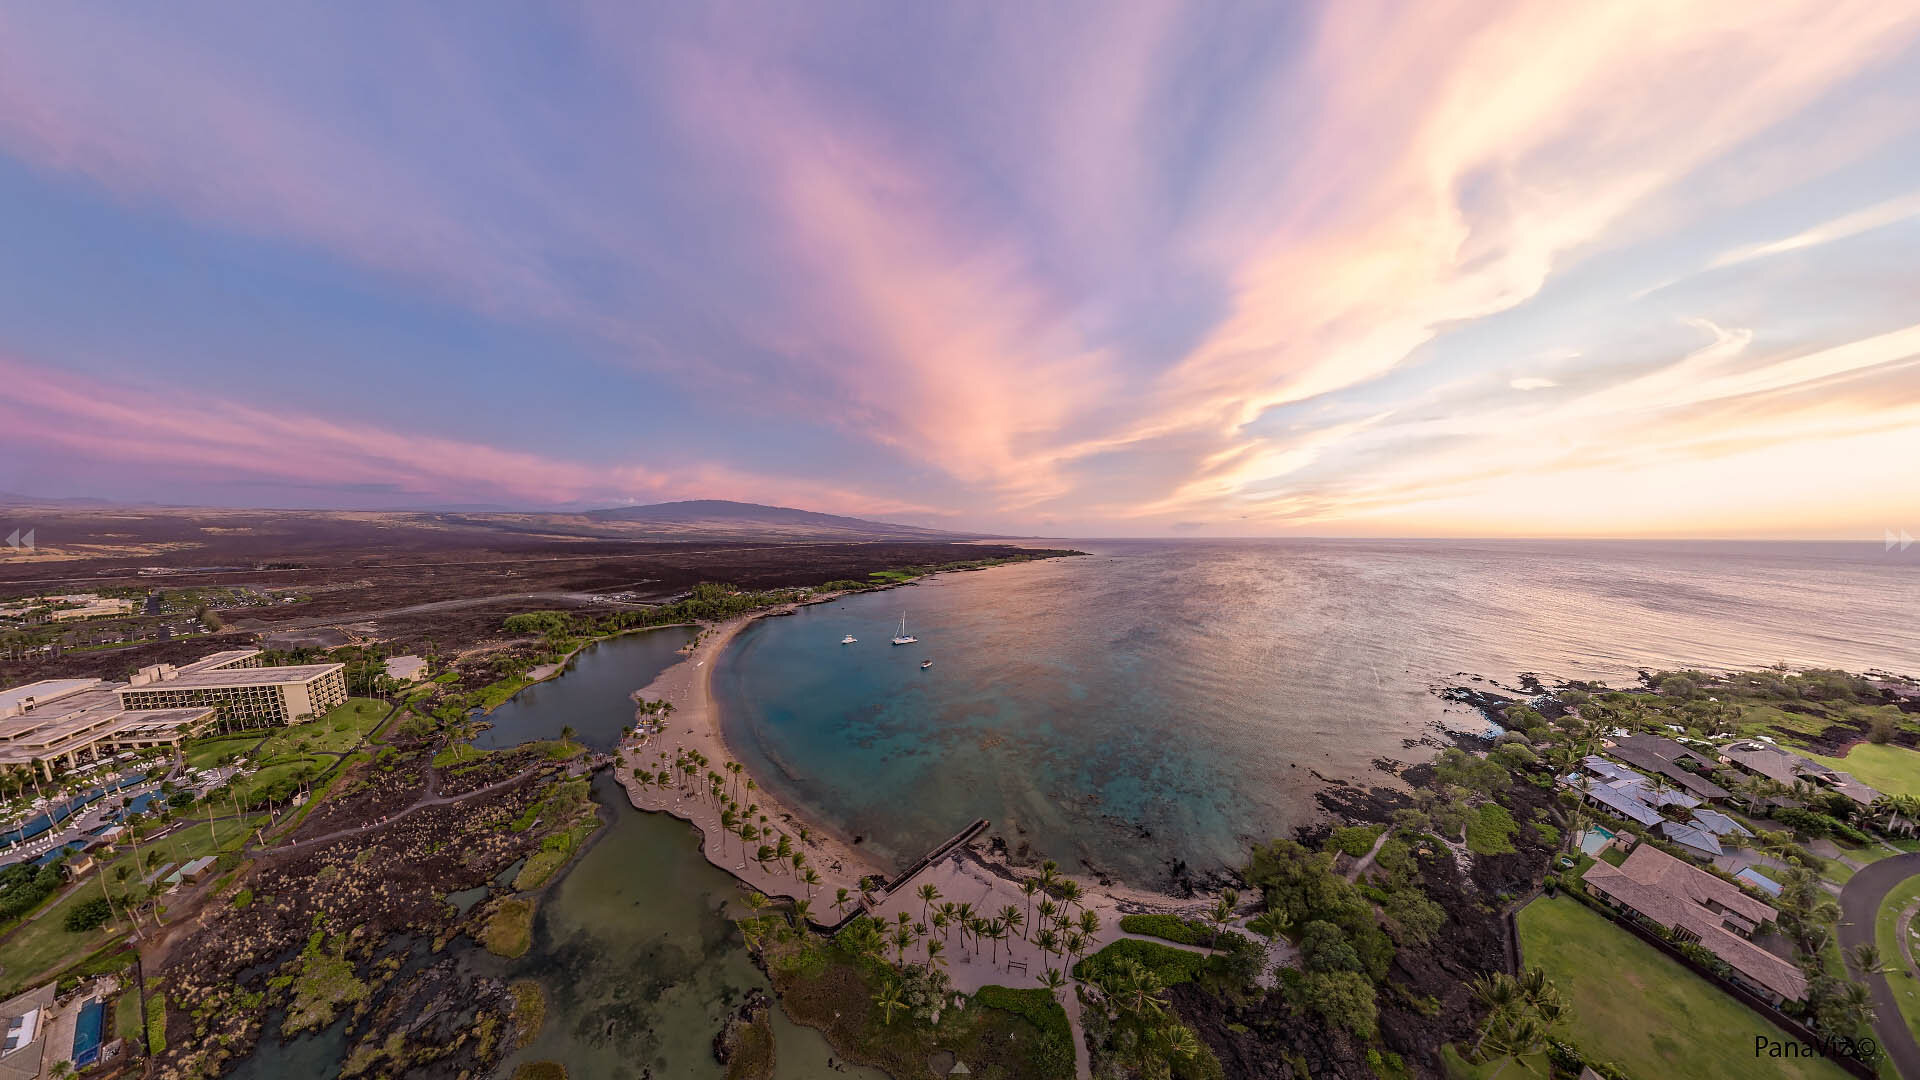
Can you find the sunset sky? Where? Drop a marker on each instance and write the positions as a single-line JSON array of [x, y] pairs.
[[1113, 269]]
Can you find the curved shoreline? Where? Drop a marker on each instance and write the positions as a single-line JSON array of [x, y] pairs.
[[965, 875], [695, 725]]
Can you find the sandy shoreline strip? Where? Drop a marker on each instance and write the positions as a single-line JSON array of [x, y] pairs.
[[988, 883], [695, 725]]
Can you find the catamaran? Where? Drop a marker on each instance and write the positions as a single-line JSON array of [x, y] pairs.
[[904, 638], [848, 640]]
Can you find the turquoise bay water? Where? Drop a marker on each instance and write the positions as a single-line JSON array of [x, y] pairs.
[[1174, 700]]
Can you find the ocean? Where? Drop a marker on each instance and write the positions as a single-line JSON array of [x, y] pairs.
[[1163, 701]]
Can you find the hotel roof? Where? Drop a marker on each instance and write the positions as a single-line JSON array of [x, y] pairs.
[[217, 660], [46, 690], [260, 676]]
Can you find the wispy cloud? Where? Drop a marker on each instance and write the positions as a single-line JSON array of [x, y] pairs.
[[1840, 228], [1097, 265], [160, 429]]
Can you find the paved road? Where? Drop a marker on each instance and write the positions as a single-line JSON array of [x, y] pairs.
[[1859, 904]]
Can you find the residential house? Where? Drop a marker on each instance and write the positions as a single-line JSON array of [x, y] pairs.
[[1612, 801], [1678, 763], [1695, 906], [1784, 766], [24, 1020], [1693, 839], [1720, 824]]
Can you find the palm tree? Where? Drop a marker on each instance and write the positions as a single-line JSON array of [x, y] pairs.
[[811, 878], [935, 947], [1222, 913], [1011, 918], [889, 999], [1180, 1041], [840, 898], [1866, 959], [1090, 923], [763, 855], [1073, 944], [1048, 910], [1028, 887], [756, 901], [1053, 981], [928, 892], [802, 910], [752, 933], [995, 929], [1269, 925], [1049, 943], [1512, 1038], [902, 939]]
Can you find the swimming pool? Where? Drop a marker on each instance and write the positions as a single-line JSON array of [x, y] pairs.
[[87, 1032]]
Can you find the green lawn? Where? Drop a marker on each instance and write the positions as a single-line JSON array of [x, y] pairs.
[[126, 1015], [337, 732], [1643, 1011], [1893, 770], [206, 753], [43, 946], [457, 753], [1886, 934], [285, 772]]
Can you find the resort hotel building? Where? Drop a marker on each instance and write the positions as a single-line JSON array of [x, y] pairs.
[[77, 720]]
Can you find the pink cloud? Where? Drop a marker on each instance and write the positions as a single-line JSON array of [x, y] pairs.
[[47, 412]]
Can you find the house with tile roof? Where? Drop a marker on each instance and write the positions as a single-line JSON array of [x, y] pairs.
[[1680, 764], [1758, 758], [1695, 906]]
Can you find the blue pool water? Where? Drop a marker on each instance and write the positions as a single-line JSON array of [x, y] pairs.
[[61, 811], [87, 1031], [1179, 700]]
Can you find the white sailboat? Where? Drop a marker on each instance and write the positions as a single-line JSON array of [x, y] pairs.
[[904, 638]]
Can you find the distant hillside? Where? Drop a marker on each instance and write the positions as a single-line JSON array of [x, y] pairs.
[[719, 517]]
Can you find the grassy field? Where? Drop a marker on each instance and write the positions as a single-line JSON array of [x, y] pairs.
[[1893, 770], [340, 730], [1762, 718], [206, 753], [337, 732], [44, 945], [284, 772], [126, 1015], [1893, 952], [1634, 1006]]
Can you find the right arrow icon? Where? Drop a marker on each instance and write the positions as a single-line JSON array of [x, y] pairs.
[[1903, 540]]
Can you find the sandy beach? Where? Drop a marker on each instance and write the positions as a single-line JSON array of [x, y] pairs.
[[695, 726], [964, 876]]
